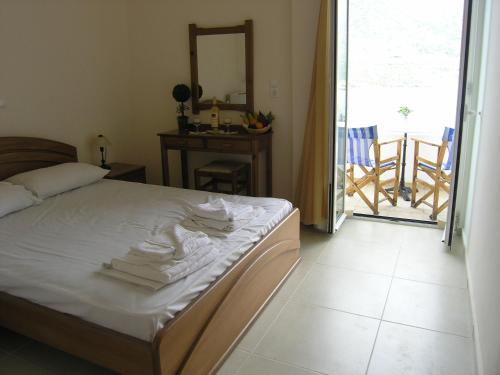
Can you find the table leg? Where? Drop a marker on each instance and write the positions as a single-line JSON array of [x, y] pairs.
[[404, 191], [269, 170], [185, 171], [164, 164], [254, 190]]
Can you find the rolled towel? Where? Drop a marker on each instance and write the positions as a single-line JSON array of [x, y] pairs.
[[188, 242], [170, 242], [220, 209]]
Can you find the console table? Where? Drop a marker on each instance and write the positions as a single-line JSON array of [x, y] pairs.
[[241, 143]]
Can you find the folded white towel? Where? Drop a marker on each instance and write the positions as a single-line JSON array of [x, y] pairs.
[[154, 252], [167, 272], [220, 209], [208, 225], [108, 271]]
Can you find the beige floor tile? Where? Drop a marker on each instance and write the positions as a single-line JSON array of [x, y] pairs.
[[430, 306], [361, 256], [320, 339], [259, 328], [355, 292], [294, 280], [312, 243], [403, 350], [422, 237], [261, 366], [233, 362], [372, 232], [431, 261]]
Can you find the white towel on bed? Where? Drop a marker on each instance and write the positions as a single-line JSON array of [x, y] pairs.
[[170, 242], [219, 217], [221, 210], [108, 271], [152, 251], [167, 272]]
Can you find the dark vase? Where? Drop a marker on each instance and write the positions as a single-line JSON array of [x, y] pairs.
[[182, 122]]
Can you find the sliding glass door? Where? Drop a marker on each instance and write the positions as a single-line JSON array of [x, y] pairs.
[[340, 29], [460, 119]]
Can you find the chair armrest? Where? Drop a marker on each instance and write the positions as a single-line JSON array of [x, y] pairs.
[[416, 140], [392, 141]]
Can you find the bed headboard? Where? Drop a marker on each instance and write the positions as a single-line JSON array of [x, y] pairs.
[[22, 154]]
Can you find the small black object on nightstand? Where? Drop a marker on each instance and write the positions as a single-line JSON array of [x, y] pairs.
[[127, 172]]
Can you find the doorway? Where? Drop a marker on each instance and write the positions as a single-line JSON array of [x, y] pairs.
[[402, 72]]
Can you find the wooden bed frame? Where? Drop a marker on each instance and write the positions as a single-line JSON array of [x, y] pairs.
[[197, 339]]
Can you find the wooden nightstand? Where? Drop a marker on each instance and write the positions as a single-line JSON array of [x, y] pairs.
[[127, 172]]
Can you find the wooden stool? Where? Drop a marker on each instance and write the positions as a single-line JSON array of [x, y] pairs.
[[235, 173]]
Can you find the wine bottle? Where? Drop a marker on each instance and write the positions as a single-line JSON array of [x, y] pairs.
[[214, 114]]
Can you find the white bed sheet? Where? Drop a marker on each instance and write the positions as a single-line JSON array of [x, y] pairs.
[[49, 254]]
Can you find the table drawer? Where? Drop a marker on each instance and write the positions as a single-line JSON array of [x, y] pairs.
[[178, 142], [232, 145]]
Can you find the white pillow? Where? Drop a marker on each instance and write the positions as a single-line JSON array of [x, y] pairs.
[[46, 182], [14, 198]]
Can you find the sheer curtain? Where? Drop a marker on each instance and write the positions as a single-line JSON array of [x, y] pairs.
[[312, 187]]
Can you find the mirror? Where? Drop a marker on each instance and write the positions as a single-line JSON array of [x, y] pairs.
[[222, 64], [221, 68]]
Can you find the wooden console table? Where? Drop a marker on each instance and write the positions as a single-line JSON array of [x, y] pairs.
[[241, 143]]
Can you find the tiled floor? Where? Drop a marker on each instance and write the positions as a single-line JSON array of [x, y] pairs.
[[377, 299]]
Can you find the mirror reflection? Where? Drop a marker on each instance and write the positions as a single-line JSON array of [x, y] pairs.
[[221, 68]]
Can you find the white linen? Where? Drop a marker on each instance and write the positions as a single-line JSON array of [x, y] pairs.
[[164, 272], [46, 182], [14, 198], [221, 210], [170, 242], [51, 253], [227, 227]]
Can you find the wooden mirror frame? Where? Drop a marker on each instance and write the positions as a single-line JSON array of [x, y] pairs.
[[194, 32]]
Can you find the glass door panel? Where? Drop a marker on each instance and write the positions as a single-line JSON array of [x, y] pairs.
[[339, 113]]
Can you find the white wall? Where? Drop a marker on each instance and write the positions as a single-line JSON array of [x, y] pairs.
[[483, 253], [72, 69], [64, 72], [160, 59]]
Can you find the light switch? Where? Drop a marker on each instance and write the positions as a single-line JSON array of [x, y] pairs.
[[2, 103], [274, 88]]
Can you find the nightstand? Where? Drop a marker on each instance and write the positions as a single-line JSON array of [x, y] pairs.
[[127, 172]]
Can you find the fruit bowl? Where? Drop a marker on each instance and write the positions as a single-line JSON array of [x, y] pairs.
[[257, 131]]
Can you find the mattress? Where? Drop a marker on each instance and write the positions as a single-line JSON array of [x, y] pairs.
[[49, 254]]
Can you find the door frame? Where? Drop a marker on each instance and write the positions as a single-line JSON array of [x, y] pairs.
[[459, 120], [334, 224]]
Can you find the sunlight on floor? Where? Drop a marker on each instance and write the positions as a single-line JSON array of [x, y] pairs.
[[402, 210]]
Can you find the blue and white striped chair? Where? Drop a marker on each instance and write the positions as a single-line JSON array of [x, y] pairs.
[[359, 144], [439, 172]]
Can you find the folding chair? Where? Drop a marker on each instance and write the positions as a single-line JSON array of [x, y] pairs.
[[359, 142], [436, 170]]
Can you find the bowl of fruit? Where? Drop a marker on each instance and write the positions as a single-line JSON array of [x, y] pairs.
[[257, 123]]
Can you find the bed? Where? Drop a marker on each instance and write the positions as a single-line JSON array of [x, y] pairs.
[[189, 329]]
